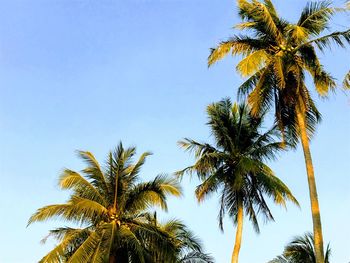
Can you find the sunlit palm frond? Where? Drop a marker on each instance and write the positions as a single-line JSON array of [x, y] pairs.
[[78, 210], [145, 195], [72, 180], [68, 239], [88, 250], [252, 63], [210, 185], [346, 82], [236, 45], [94, 171], [133, 170], [273, 187]]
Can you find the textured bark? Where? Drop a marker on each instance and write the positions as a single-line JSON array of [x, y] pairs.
[[315, 209], [238, 240]]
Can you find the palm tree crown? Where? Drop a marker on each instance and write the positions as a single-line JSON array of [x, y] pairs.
[[235, 165], [111, 205], [278, 54]]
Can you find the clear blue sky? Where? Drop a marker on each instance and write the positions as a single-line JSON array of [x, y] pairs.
[[84, 74]]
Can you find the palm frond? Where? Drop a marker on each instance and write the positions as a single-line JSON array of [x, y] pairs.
[[196, 257], [274, 187], [59, 252], [316, 16], [252, 63], [339, 38], [209, 185], [153, 193], [133, 170], [73, 180], [236, 45], [93, 171], [87, 249], [346, 82]]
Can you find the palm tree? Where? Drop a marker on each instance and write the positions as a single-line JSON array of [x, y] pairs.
[[235, 166], [301, 250], [111, 206], [277, 55]]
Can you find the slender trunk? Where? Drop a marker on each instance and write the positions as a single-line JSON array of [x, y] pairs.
[[238, 240], [315, 209]]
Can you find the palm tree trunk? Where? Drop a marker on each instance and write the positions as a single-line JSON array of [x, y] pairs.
[[315, 209], [237, 247]]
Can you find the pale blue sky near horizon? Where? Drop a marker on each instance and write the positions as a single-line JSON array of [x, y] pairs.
[[84, 74]]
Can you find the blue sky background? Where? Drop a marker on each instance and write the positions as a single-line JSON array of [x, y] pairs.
[[84, 74]]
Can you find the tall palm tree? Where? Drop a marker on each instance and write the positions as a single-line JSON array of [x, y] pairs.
[[235, 166], [277, 55], [111, 206], [301, 250]]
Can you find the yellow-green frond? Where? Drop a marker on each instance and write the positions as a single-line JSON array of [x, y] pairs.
[[72, 180], [324, 83], [255, 97], [279, 71], [172, 187], [252, 63], [48, 212], [245, 25], [56, 254], [298, 33], [87, 208], [263, 14], [85, 252], [219, 52], [133, 170], [77, 210]]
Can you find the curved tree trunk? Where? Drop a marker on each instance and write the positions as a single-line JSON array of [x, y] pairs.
[[315, 209], [237, 247]]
